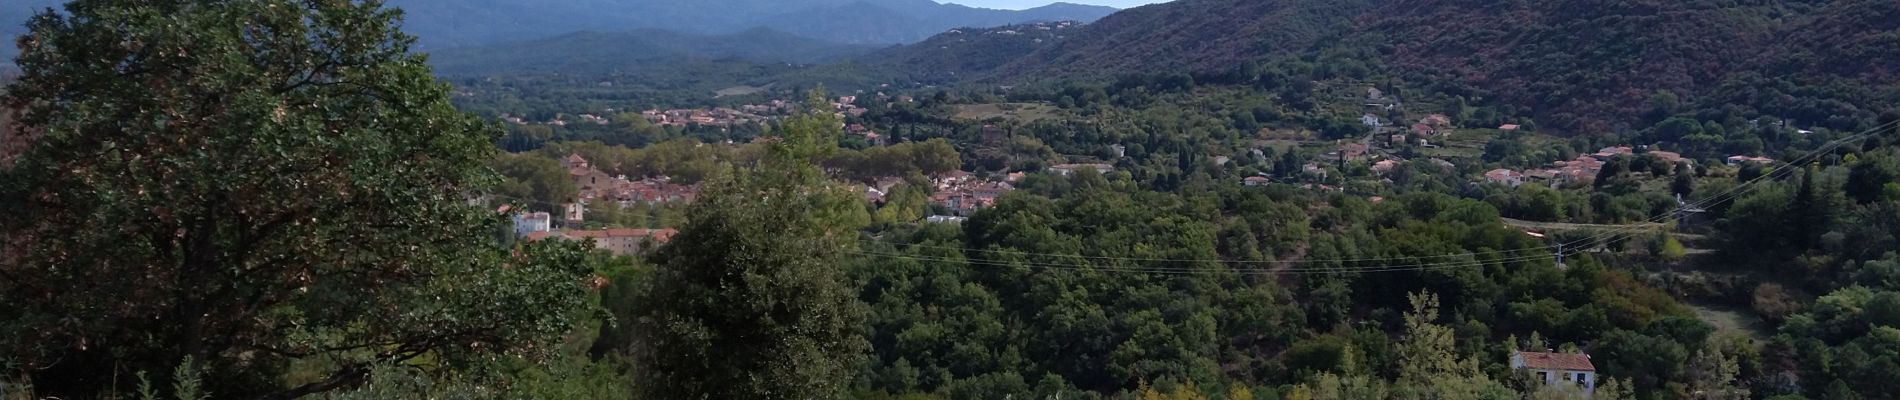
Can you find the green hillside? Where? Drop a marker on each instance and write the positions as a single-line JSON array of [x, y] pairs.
[[1579, 66]]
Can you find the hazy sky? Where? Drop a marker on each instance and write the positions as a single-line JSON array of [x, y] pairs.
[[1022, 4]]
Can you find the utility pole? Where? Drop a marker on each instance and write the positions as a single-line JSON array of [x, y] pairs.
[[1560, 255]]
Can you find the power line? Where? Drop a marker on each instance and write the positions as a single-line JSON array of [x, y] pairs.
[[1743, 188]]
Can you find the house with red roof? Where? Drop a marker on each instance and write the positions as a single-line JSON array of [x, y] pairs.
[[1558, 368], [1504, 177], [1667, 156], [1353, 151], [1608, 153], [1385, 166]]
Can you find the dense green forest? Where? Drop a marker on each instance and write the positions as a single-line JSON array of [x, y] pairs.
[[275, 203], [1584, 66]]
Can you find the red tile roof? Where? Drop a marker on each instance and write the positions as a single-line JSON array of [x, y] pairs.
[[663, 235], [1556, 361]]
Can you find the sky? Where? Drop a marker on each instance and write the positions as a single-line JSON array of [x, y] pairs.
[[1022, 4]]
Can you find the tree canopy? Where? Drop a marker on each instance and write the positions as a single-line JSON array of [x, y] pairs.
[[749, 300], [260, 186]]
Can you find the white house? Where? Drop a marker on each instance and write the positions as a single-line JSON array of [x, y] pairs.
[[573, 212], [1505, 177], [532, 222], [1371, 121], [1739, 160], [1313, 169], [1558, 368], [945, 219], [1069, 169]]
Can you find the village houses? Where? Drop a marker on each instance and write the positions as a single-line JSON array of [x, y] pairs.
[[595, 185], [1586, 166], [962, 194]]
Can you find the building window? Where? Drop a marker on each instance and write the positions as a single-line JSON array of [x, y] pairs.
[[1543, 376], [1566, 377]]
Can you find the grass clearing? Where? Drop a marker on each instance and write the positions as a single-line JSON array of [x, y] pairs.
[[1019, 112], [740, 90], [1452, 152], [1730, 320]]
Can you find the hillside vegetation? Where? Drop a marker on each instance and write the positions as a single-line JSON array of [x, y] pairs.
[[1579, 66], [974, 52]]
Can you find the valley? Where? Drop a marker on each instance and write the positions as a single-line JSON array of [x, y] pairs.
[[915, 200]]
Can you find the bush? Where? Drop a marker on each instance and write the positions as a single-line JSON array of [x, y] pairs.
[[1773, 303]]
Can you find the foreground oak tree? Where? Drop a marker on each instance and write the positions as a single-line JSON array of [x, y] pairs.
[[273, 188], [750, 300]]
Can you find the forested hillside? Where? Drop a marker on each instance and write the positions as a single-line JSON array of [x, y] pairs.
[[1582, 63], [1579, 66], [1191, 35], [961, 53]]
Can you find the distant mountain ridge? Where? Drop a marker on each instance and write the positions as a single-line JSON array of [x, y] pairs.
[[590, 52], [458, 23]]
